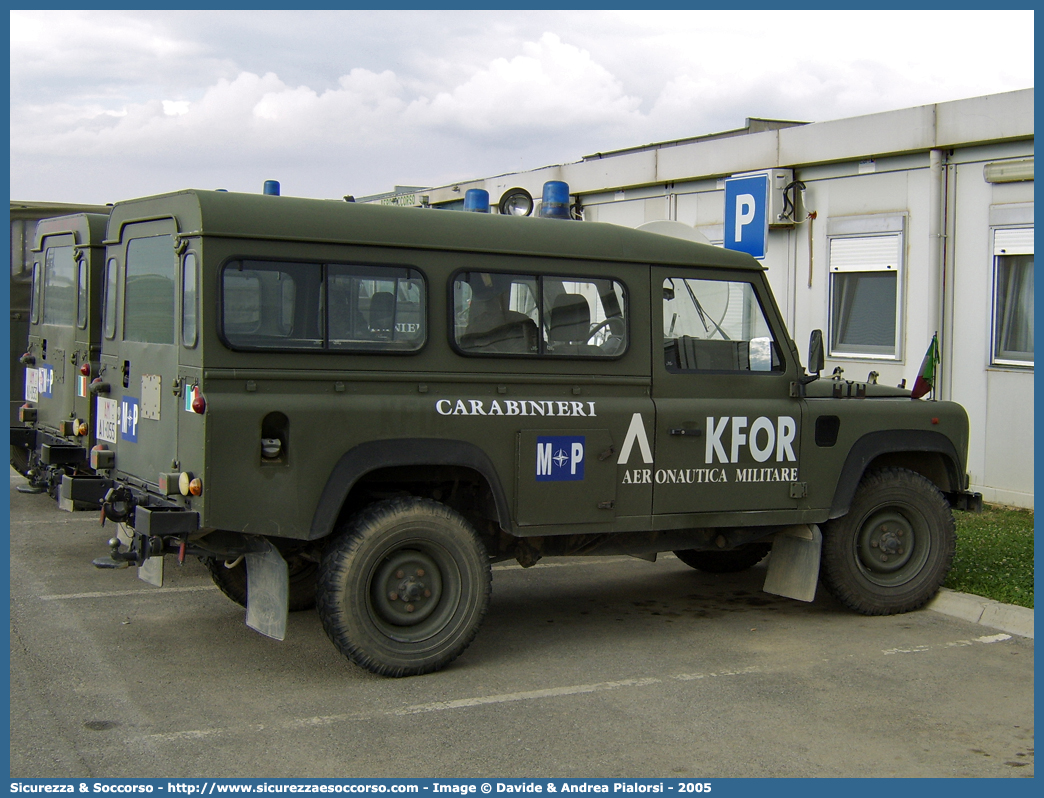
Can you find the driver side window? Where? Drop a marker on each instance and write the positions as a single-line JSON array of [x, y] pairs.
[[715, 325]]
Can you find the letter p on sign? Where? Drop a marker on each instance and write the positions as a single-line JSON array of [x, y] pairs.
[[746, 214]]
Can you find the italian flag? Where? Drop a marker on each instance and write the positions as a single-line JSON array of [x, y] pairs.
[[925, 381]]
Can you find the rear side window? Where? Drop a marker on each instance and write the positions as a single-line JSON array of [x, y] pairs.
[[149, 298], [109, 299], [375, 308], [322, 306], [59, 300], [188, 300], [34, 297], [552, 316], [82, 288]]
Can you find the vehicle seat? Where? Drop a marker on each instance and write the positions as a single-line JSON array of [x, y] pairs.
[[382, 313], [570, 326], [495, 330]]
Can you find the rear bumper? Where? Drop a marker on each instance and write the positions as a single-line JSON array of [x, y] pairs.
[[82, 492], [51, 449], [23, 437]]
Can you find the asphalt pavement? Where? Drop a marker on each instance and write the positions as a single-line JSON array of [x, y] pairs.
[[596, 667]]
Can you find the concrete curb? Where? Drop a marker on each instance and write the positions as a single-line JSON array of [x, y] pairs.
[[1006, 617]]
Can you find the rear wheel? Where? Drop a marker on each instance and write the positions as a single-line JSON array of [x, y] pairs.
[[403, 589], [233, 581], [725, 562], [20, 460], [890, 553]]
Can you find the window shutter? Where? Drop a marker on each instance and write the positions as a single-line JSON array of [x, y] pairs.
[[1013, 241], [865, 253]]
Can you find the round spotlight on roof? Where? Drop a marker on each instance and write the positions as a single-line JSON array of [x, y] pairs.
[[516, 202]]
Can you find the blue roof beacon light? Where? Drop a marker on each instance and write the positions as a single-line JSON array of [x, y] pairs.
[[271, 188], [476, 200], [555, 201]]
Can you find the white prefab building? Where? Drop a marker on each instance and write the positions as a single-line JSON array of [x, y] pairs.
[[880, 230]]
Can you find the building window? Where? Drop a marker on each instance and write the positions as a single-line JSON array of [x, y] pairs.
[[1013, 296], [865, 295]]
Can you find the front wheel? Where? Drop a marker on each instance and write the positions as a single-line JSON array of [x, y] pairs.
[[403, 589], [890, 553]]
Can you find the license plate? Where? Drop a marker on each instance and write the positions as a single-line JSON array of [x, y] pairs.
[[32, 385], [108, 419]]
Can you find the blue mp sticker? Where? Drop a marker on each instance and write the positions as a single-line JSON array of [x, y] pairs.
[[559, 458], [47, 381], [129, 419]]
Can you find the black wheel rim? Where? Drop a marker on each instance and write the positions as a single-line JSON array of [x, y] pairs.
[[892, 545], [413, 591]]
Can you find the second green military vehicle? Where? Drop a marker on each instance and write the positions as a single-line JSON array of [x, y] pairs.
[[24, 217], [363, 407], [55, 428]]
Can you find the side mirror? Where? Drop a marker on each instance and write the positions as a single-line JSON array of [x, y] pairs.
[[815, 352]]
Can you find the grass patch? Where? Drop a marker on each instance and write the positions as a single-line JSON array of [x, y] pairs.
[[994, 556]]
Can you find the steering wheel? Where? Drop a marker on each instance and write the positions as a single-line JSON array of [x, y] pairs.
[[614, 342]]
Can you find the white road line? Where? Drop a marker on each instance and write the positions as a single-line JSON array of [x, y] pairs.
[[504, 698], [993, 638], [442, 706], [953, 644], [119, 593]]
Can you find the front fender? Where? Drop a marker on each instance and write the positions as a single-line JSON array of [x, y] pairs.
[[875, 444]]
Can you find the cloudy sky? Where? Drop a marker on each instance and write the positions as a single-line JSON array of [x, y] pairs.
[[107, 105]]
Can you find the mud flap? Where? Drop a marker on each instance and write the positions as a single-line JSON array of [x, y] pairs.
[[268, 591], [151, 571], [793, 569]]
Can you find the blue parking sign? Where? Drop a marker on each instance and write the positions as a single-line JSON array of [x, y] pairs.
[[746, 214]]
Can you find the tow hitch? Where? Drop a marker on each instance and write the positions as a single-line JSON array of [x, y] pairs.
[[140, 549]]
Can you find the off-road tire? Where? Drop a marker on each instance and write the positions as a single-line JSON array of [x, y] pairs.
[[20, 459], [404, 586], [725, 562], [890, 553], [233, 581]]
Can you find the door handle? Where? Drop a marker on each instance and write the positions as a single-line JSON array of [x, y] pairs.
[[685, 431]]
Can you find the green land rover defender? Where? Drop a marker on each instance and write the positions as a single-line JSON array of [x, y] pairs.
[[54, 431], [360, 408]]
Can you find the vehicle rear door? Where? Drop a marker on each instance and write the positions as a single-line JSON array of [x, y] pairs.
[[147, 364]]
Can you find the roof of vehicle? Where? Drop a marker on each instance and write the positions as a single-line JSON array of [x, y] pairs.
[[259, 216], [88, 228], [31, 209]]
